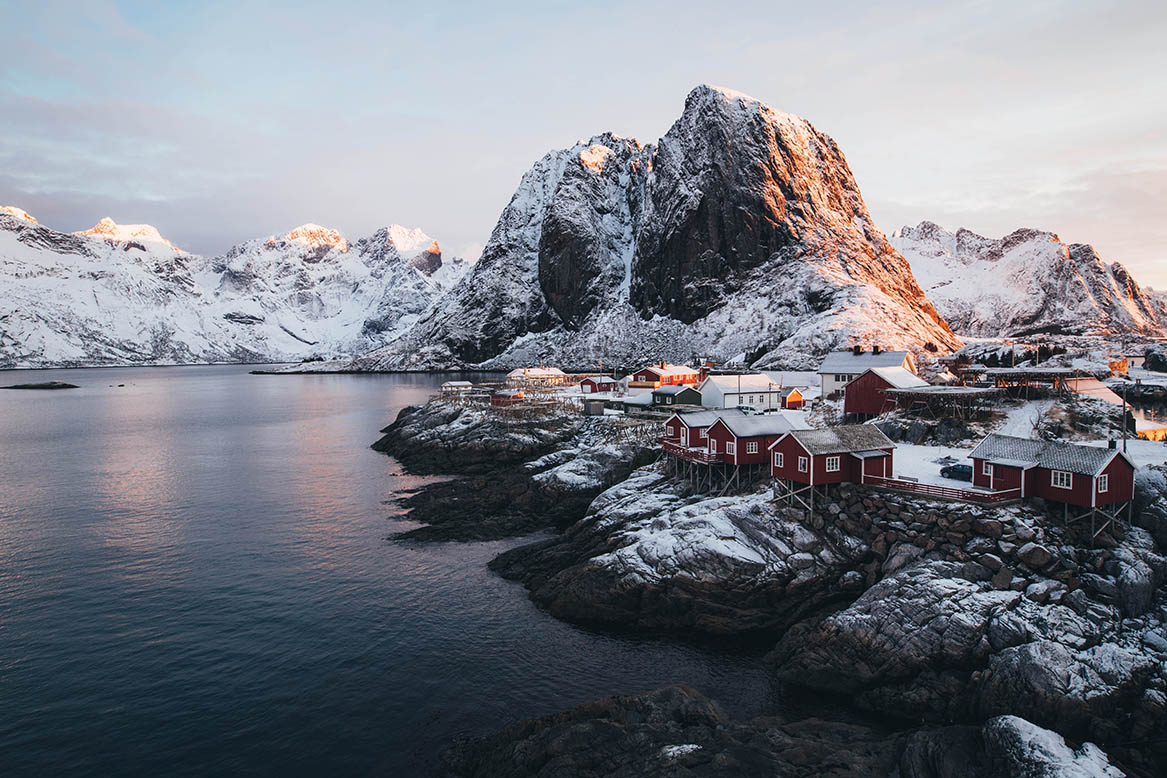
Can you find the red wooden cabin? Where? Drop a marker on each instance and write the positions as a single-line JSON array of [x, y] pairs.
[[865, 396], [743, 440], [690, 429], [843, 454], [663, 374], [506, 397], [598, 384], [1083, 476]]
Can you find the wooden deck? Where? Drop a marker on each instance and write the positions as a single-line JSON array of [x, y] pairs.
[[673, 448], [944, 492]]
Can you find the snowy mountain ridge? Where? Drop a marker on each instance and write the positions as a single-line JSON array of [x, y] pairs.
[[1028, 282], [741, 232], [123, 294]]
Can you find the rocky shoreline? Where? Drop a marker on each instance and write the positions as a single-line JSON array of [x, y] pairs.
[[941, 615]]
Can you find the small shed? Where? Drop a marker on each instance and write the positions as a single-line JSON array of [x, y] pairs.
[[793, 400], [456, 387], [676, 394]]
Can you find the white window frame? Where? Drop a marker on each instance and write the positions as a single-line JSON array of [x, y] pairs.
[[834, 464], [751, 447], [731, 447], [987, 468], [1056, 479], [779, 460], [713, 445], [803, 465], [701, 433], [1103, 483]]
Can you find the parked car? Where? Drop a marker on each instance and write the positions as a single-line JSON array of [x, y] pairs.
[[957, 472]]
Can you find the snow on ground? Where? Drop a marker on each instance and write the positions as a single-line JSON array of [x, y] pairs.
[[1019, 421], [923, 463]]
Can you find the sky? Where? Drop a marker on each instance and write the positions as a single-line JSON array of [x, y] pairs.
[[220, 122]]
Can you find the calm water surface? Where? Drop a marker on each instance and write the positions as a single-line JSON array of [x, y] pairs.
[[196, 577]]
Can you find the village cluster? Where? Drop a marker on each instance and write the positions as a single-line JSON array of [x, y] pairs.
[[811, 431]]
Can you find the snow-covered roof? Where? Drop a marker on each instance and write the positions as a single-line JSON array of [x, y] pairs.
[[644, 398], [669, 370], [509, 393], [843, 439], [536, 372], [850, 362], [602, 379], [765, 424], [458, 384], [704, 418], [673, 389], [1052, 455], [750, 382], [898, 377]]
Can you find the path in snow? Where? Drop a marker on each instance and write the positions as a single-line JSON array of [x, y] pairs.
[[1019, 421]]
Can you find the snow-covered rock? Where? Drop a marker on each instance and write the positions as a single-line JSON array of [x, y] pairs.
[[123, 294], [1028, 282], [742, 231]]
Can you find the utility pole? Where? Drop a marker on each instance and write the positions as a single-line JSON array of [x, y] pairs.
[[1124, 419]]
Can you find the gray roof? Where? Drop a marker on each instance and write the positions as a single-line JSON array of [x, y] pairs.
[[1052, 455], [849, 362], [843, 439], [764, 424], [672, 389], [705, 418]]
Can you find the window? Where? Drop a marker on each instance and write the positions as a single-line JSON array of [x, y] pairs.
[[803, 464], [1060, 479], [987, 469], [701, 434], [750, 400], [779, 460], [832, 464], [731, 448], [842, 379], [752, 447], [1103, 483]]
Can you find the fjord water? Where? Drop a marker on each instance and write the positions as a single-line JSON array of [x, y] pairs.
[[197, 577]]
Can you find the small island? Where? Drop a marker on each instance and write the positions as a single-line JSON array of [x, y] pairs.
[[42, 385]]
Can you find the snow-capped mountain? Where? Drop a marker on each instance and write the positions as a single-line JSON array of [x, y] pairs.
[[1028, 282], [741, 232], [123, 294]]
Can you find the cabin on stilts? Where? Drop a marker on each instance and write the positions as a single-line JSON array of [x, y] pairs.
[[805, 464], [1090, 482]]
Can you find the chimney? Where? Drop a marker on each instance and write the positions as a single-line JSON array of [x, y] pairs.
[[1110, 444], [876, 349], [857, 349]]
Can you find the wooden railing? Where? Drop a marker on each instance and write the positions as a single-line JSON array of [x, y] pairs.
[[943, 492], [673, 448]]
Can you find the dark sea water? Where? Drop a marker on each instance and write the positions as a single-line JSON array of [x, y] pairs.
[[196, 578]]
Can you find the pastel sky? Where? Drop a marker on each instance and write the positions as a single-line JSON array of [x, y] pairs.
[[222, 121]]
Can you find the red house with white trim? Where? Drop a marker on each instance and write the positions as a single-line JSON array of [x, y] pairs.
[[599, 384], [689, 430], [866, 396], [843, 454], [1083, 476], [663, 374], [743, 440]]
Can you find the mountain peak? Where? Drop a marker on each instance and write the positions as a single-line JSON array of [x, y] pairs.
[[108, 229], [314, 236], [19, 213]]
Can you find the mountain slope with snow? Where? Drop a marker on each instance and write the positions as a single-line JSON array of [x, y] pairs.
[[123, 294], [741, 232], [1028, 282]]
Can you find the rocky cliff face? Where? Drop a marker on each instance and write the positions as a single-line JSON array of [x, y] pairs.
[[743, 231], [1028, 282], [123, 294]]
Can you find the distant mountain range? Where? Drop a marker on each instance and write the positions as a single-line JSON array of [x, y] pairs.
[[740, 235], [123, 294], [1028, 282]]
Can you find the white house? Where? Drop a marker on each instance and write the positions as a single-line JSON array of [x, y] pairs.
[[748, 390], [841, 367]]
